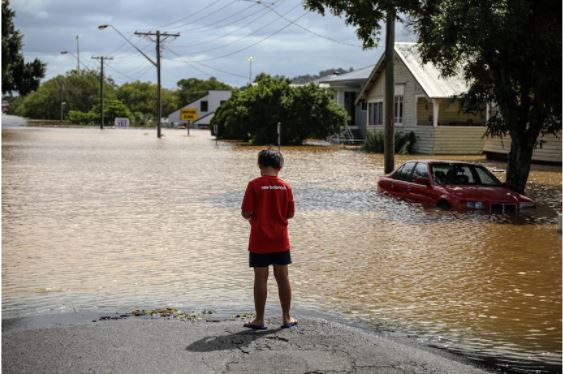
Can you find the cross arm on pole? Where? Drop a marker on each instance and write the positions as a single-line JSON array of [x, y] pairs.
[[101, 27]]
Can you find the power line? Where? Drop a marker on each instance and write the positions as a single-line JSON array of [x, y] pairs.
[[244, 36], [253, 44], [189, 16], [206, 65], [308, 30], [122, 73], [213, 25], [260, 10], [188, 21]]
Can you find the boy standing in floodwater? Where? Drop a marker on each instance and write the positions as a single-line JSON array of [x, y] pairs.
[[268, 204]]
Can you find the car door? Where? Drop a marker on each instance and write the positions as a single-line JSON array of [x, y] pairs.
[[401, 180], [420, 193]]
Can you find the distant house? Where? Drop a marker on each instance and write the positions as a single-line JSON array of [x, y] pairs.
[[204, 106], [425, 103], [346, 88]]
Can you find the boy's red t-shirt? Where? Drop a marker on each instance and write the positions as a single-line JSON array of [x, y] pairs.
[[269, 199]]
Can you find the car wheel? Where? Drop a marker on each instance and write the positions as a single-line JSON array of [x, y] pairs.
[[443, 204]]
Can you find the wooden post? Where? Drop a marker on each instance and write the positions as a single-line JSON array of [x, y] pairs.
[[389, 136], [435, 112]]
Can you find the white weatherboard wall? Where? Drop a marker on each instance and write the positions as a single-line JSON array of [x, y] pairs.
[[447, 140], [548, 148], [213, 98]]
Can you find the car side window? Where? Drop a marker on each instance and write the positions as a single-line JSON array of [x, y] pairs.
[[421, 170], [398, 173], [439, 173], [406, 172]]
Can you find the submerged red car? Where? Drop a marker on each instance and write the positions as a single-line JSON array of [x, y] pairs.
[[452, 185]]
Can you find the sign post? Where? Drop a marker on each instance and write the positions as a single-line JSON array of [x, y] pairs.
[[215, 130], [279, 135], [189, 115]]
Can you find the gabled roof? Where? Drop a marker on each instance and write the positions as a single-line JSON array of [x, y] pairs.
[[427, 75], [356, 75]]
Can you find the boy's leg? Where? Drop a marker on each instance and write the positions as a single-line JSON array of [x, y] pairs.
[[260, 293], [284, 289]]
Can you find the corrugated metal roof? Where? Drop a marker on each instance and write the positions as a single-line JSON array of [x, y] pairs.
[[360, 74], [428, 75]]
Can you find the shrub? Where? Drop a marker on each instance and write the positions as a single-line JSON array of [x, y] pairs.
[[253, 112], [81, 118], [404, 142]]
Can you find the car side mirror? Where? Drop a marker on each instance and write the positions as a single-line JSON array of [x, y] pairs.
[[422, 180]]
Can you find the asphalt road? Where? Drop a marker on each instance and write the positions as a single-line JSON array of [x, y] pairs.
[[210, 345]]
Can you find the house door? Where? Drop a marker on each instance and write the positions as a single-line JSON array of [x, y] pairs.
[[350, 106]]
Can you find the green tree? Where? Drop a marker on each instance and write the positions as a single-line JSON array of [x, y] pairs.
[[17, 75], [510, 52], [366, 16], [112, 108], [140, 97], [252, 113], [192, 89], [80, 92]]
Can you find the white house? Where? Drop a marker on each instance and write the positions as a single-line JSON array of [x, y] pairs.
[[346, 88], [204, 106], [425, 103]]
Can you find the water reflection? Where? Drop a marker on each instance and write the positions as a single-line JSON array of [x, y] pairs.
[[120, 219]]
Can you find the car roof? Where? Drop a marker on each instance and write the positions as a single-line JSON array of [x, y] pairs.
[[442, 162]]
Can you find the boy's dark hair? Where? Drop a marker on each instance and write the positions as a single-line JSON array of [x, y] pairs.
[[270, 157]]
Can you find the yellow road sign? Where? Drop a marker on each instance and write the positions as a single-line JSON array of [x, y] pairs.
[[188, 115]]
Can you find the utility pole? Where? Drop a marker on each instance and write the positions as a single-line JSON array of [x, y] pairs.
[[388, 132], [101, 59], [158, 36], [78, 54]]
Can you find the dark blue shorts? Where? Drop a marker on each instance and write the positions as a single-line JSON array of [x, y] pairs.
[[258, 260]]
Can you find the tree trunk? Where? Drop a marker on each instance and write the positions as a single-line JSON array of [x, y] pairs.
[[519, 162]]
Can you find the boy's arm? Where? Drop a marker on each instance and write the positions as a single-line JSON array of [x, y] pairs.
[[290, 204], [247, 207]]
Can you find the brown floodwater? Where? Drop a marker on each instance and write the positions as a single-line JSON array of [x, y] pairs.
[[118, 219]]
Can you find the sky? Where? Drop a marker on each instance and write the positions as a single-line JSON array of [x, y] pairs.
[[217, 37]]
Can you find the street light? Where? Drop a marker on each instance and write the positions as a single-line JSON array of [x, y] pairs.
[[73, 55], [78, 54], [250, 72]]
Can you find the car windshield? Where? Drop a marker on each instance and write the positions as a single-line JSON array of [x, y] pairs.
[[463, 174]]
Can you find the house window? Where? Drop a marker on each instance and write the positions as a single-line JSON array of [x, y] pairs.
[[375, 113], [222, 102], [203, 106], [399, 100]]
